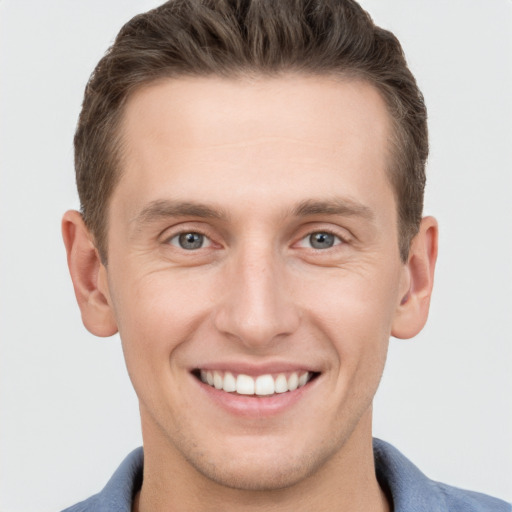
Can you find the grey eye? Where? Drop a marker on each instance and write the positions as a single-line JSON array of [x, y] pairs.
[[189, 241], [322, 240]]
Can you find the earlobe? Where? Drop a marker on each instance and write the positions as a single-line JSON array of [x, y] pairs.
[[412, 311], [88, 275]]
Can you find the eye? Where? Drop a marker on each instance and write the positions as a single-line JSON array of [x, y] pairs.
[[320, 240], [190, 241]]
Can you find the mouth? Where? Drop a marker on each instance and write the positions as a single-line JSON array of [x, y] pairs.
[[264, 385]]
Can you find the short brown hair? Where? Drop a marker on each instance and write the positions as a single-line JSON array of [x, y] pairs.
[[232, 37]]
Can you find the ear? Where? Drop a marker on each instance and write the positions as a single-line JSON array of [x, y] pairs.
[[418, 279], [89, 276]]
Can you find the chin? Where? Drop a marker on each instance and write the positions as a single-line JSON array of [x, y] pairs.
[[264, 474], [260, 467]]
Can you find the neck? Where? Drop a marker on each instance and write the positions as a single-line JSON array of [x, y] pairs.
[[346, 482]]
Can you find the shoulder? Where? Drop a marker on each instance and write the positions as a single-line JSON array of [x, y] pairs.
[[469, 501], [88, 505], [411, 491], [117, 495]]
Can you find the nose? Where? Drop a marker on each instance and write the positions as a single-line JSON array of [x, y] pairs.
[[258, 307]]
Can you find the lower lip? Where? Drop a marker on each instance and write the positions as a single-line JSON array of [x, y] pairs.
[[255, 406]]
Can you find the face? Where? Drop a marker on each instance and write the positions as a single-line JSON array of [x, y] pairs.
[[253, 271]]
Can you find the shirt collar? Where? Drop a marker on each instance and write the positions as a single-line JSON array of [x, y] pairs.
[[409, 489]]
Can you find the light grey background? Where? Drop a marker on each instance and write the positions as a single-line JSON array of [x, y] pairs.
[[68, 414]]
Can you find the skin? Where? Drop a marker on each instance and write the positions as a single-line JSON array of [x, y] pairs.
[[255, 166]]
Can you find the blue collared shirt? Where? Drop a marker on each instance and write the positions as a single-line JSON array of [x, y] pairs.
[[408, 488]]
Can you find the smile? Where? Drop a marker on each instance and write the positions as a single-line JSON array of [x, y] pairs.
[[261, 385]]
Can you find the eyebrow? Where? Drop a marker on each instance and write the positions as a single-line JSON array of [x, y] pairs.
[[163, 209], [337, 206]]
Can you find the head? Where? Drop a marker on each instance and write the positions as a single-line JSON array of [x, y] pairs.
[[251, 177], [189, 38]]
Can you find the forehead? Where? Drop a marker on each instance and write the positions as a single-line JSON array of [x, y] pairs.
[[318, 109], [203, 135]]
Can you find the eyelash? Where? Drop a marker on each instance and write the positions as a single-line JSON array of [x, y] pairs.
[[337, 240], [206, 242], [178, 239]]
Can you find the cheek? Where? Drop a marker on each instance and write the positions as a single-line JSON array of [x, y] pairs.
[[356, 318], [355, 305], [156, 313]]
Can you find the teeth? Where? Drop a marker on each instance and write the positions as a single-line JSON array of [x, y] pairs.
[[263, 385], [245, 385], [303, 379], [281, 384], [293, 382], [217, 380], [229, 382]]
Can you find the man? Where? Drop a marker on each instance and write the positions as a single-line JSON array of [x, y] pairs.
[[251, 177]]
